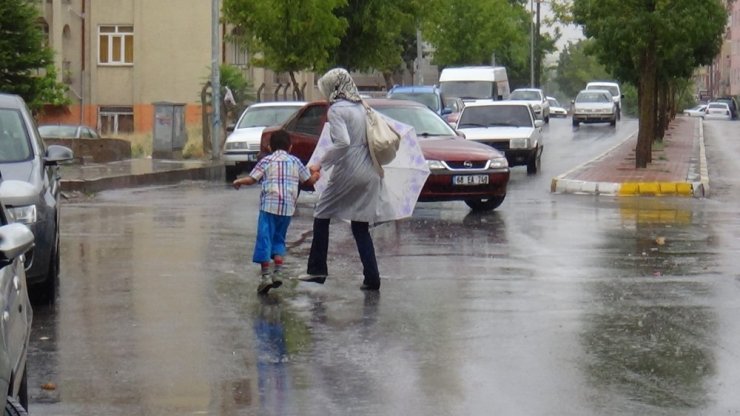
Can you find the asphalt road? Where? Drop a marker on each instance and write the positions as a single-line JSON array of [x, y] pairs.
[[550, 305]]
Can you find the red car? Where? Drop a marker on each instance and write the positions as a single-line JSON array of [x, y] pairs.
[[461, 170]]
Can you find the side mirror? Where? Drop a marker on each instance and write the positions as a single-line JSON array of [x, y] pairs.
[[15, 239], [56, 153], [539, 123]]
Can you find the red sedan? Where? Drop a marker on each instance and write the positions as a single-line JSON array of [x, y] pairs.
[[461, 170]]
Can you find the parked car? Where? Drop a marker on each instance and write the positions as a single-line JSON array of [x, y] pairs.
[[556, 110], [429, 95], [695, 111], [613, 89], [536, 98], [243, 143], [731, 102], [461, 170], [508, 126], [25, 157], [15, 241], [456, 105], [718, 111], [594, 106], [67, 131]]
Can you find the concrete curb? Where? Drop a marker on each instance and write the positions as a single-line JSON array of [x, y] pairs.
[[165, 177], [698, 187]]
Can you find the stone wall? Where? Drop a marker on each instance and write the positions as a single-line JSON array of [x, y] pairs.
[[96, 150]]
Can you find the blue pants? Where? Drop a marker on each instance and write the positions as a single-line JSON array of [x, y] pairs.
[[271, 232]]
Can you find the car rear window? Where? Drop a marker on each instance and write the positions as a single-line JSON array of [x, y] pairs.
[[14, 143], [429, 99], [498, 115], [266, 116]]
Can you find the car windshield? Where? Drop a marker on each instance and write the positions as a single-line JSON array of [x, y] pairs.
[[592, 97], [553, 102], [429, 99], [423, 120], [612, 89], [58, 131], [495, 115], [14, 143], [525, 95], [266, 116], [467, 89]]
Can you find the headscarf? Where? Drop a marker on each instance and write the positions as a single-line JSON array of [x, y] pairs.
[[337, 85]]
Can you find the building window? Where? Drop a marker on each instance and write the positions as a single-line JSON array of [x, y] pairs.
[[116, 45], [115, 120]]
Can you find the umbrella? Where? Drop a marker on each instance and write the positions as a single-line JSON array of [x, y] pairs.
[[403, 179]]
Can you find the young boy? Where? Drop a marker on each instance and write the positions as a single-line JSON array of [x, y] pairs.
[[280, 174]]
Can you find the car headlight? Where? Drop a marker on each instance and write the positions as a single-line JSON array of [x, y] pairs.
[[522, 143], [24, 214], [236, 145], [435, 164], [498, 162]]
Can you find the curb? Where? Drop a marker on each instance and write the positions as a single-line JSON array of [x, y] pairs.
[[698, 188], [210, 172]]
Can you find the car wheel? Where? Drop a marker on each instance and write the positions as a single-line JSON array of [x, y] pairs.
[[575, 123], [533, 165], [547, 119], [485, 204], [230, 173], [46, 291], [613, 123], [23, 392], [13, 408]]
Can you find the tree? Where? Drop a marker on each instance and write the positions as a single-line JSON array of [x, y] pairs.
[[26, 64], [576, 68], [289, 35], [650, 42]]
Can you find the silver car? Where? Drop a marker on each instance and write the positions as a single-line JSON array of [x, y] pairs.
[[15, 241], [507, 126], [25, 157], [594, 106]]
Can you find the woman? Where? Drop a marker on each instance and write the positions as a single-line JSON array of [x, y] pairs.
[[353, 191]]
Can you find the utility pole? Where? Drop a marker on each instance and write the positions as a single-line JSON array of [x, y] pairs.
[[538, 59], [215, 81]]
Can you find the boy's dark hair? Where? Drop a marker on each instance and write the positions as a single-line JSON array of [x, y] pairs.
[[280, 140]]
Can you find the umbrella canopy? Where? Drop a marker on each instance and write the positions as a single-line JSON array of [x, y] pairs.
[[404, 176]]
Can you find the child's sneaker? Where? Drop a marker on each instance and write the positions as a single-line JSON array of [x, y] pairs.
[[266, 283], [276, 282]]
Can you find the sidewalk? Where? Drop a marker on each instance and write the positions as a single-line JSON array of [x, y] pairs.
[[679, 168]]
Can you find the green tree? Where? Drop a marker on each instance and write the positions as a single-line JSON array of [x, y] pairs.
[[26, 64], [288, 35], [650, 43], [576, 68]]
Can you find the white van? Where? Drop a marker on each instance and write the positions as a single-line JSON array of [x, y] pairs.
[[613, 88], [475, 82]]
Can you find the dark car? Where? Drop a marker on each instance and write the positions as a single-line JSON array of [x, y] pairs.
[[15, 241], [461, 170], [67, 131], [25, 157], [731, 102]]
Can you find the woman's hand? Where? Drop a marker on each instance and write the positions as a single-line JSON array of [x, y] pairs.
[[314, 168]]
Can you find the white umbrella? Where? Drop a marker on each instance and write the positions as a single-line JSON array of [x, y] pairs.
[[403, 179]]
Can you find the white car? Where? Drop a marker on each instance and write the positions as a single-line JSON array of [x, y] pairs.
[[243, 143], [696, 111], [594, 106], [556, 110], [508, 126], [613, 89], [718, 111], [536, 98]]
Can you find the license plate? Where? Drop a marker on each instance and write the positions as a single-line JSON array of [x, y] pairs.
[[470, 180]]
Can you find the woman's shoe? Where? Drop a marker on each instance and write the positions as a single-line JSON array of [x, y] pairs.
[[370, 286], [313, 278]]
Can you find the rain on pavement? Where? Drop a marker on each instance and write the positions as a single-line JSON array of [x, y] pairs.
[[550, 305]]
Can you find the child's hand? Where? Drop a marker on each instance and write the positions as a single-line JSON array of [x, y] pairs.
[[236, 184], [314, 169]]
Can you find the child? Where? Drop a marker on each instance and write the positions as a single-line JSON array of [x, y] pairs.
[[280, 174]]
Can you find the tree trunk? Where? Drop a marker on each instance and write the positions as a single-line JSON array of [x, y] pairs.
[[662, 122], [643, 152], [297, 93]]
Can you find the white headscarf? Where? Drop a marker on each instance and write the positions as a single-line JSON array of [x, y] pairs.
[[337, 84]]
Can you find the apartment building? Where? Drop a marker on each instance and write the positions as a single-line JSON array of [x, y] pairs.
[[120, 57]]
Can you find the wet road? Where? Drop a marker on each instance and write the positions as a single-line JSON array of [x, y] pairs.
[[551, 305]]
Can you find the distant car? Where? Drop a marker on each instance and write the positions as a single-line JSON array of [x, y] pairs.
[[508, 126], [594, 106], [461, 170], [243, 143], [718, 111], [67, 131], [731, 102], [15, 241], [536, 98], [695, 111], [556, 110], [456, 105], [429, 95], [25, 157], [613, 89]]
